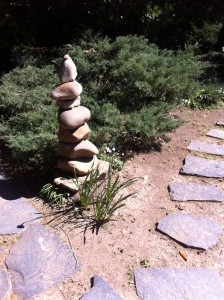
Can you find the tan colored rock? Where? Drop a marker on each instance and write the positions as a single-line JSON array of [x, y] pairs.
[[75, 150], [74, 135], [80, 166], [73, 118], [68, 104], [67, 91], [67, 70]]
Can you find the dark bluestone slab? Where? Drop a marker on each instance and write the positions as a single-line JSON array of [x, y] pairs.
[[221, 123], [4, 285], [38, 261], [194, 192], [179, 284], [101, 290], [16, 214], [217, 133], [206, 148], [203, 167], [191, 231]]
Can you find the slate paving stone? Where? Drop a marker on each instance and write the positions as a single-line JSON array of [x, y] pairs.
[[194, 192], [217, 133], [191, 231], [38, 261], [179, 284], [203, 167], [4, 285], [206, 148], [15, 215], [101, 290], [221, 123]]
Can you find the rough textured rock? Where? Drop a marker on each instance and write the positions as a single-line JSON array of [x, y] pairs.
[[67, 70], [206, 148], [179, 284], [67, 91], [217, 133], [75, 150], [74, 135], [15, 215], [73, 118], [38, 261], [4, 285], [69, 104], [194, 192], [221, 123], [203, 167], [80, 166], [192, 231], [101, 290]]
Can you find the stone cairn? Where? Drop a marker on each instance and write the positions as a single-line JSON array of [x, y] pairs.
[[76, 153]]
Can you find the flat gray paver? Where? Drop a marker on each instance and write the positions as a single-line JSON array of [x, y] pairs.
[[101, 290], [203, 167], [221, 123], [191, 231], [194, 192], [16, 214], [178, 284], [217, 133], [206, 148], [38, 261], [4, 285]]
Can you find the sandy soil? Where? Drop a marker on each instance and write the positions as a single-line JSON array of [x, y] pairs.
[[132, 240]]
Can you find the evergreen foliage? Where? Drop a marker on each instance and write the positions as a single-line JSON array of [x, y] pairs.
[[129, 86]]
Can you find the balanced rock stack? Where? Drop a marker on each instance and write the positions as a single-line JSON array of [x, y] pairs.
[[77, 154]]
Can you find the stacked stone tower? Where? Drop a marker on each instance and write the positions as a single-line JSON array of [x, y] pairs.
[[76, 153]]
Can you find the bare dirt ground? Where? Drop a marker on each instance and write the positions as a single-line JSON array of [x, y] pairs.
[[132, 240]]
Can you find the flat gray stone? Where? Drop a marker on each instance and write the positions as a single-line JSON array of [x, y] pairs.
[[38, 261], [194, 192], [221, 123], [101, 290], [16, 214], [4, 285], [203, 167], [178, 284], [191, 231], [217, 133], [206, 148]]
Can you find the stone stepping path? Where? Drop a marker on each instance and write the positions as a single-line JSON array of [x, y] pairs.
[[179, 284], [203, 167], [194, 192], [4, 285], [206, 148], [15, 215], [217, 133], [101, 290], [191, 231], [38, 261]]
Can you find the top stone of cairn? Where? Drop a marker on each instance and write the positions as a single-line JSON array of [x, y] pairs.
[[68, 70]]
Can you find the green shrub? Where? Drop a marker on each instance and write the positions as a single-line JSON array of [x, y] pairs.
[[128, 85]]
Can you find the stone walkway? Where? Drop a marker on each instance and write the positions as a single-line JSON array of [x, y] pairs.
[[40, 259]]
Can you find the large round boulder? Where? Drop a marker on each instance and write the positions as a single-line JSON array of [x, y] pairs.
[[67, 91], [74, 135], [79, 166], [75, 150], [73, 118]]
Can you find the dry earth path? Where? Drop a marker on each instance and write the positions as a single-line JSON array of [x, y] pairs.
[[133, 241]]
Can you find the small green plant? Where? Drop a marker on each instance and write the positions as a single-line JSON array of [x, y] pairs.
[[110, 198], [53, 194], [104, 196]]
